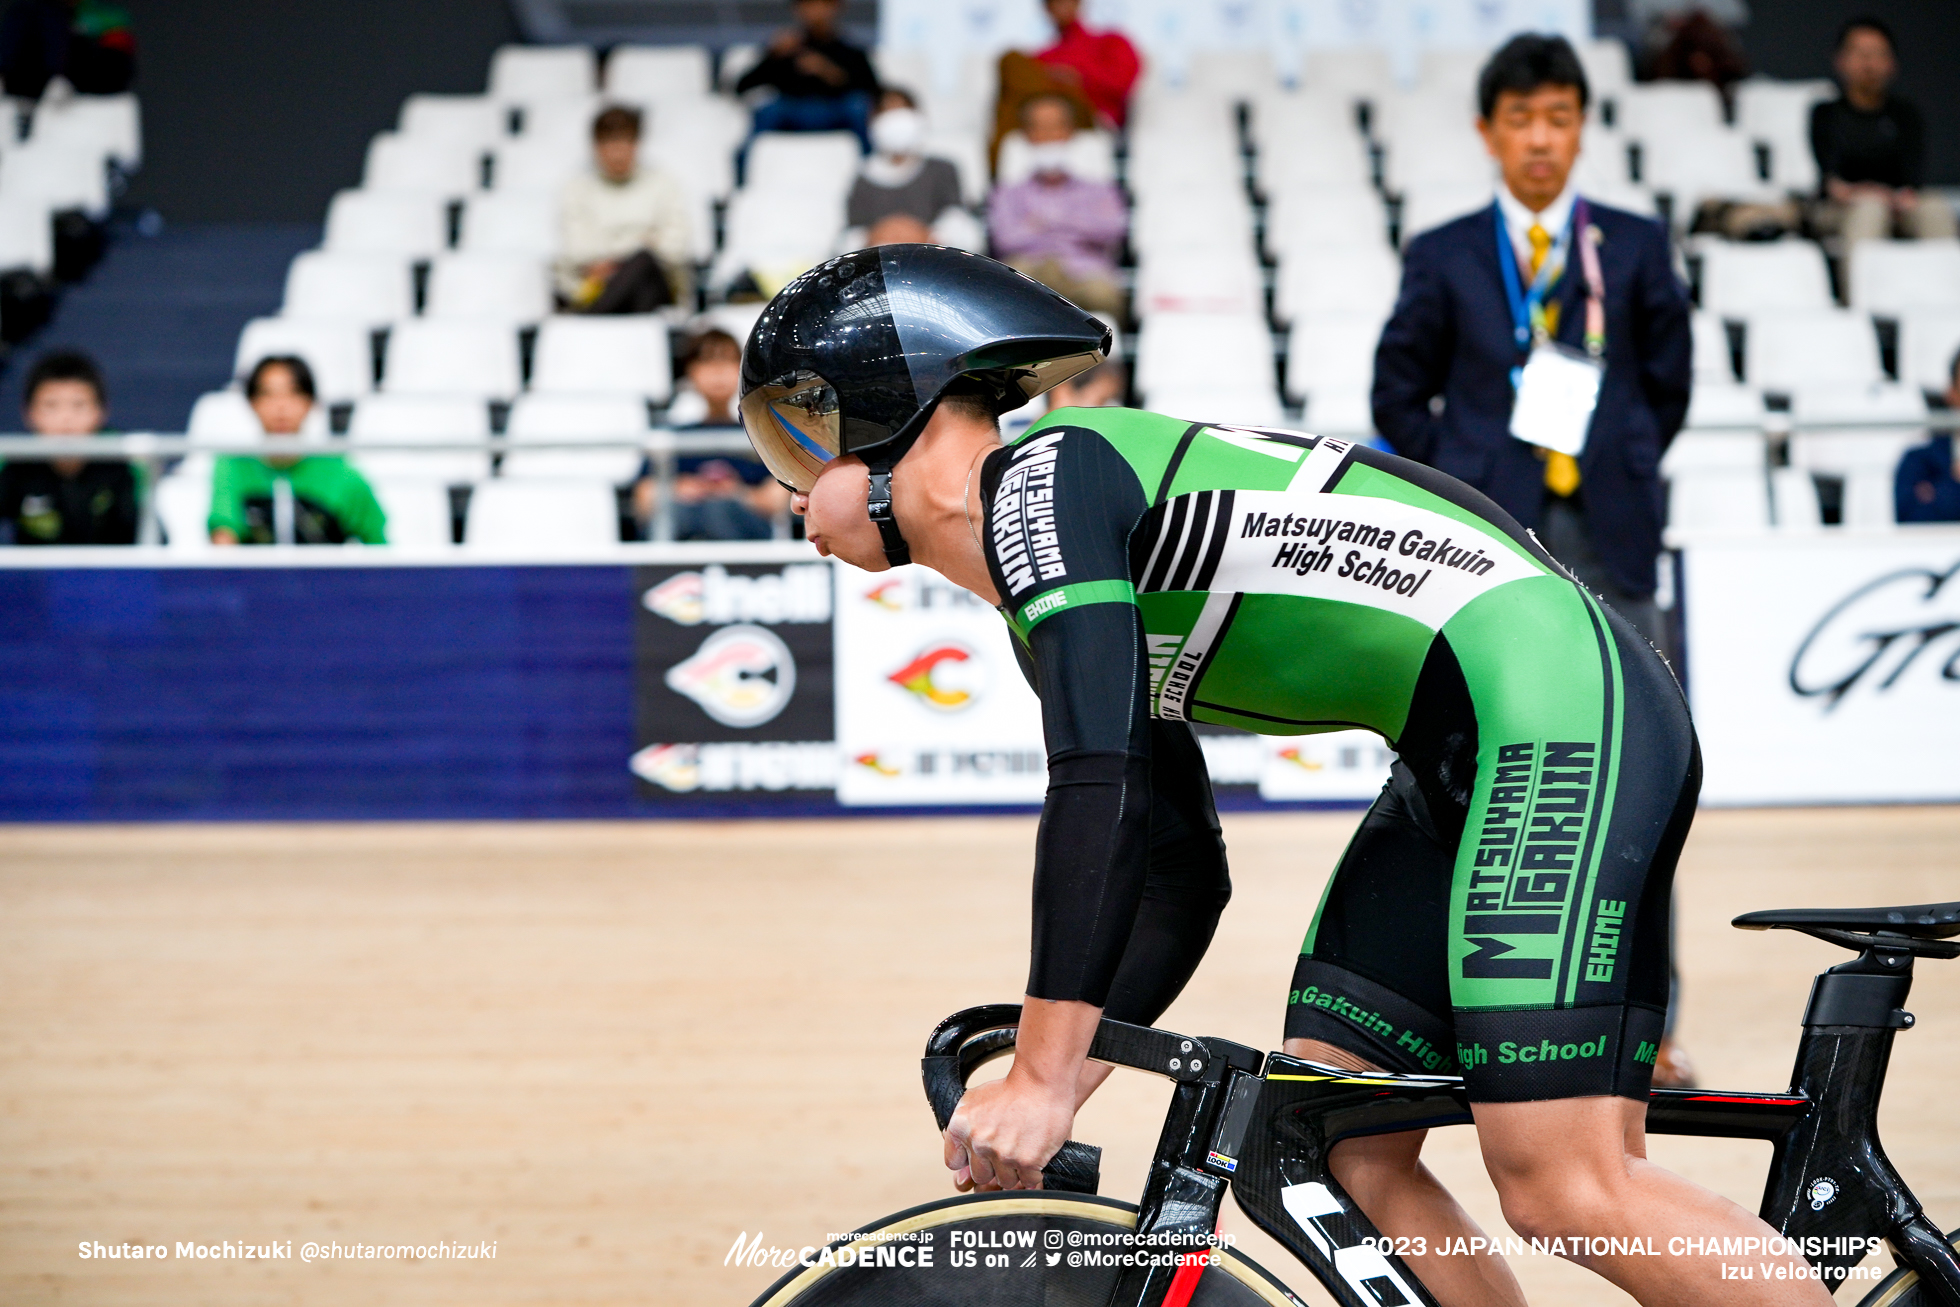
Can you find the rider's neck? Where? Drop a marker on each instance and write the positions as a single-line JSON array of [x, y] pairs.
[[936, 496]]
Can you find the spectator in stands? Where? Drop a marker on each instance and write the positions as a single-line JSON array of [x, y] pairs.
[[1103, 65], [897, 229], [823, 82], [1871, 147], [716, 497], [1457, 335], [625, 241], [898, 176], [1700, 49], [86, 42], [1061, 230], [297, 499], [1927, 488], [1102, 386], [67, 501]]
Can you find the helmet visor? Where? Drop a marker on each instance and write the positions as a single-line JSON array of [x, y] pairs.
[[796, 427]]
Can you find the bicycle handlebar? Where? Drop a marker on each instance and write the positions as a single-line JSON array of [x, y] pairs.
[[967, 1040]]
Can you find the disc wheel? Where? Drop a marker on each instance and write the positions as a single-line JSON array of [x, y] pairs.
[[1901, 1287], [1004, 1250]]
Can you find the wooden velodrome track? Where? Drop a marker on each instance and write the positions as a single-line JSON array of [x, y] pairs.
[[613, 1048]]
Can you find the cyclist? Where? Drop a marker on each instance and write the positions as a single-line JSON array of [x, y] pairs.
[[1502, 909]]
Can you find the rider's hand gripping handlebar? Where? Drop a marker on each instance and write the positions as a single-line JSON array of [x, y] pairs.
[[968, 1039]]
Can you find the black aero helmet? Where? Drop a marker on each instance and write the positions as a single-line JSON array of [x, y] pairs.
[[852, 356]]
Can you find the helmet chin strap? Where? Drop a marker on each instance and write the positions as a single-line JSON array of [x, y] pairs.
[[879, 502]]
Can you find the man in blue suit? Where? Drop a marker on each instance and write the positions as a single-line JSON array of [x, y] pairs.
[[1482, 295]]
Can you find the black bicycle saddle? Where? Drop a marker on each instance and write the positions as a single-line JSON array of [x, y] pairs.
[[1926, 921]]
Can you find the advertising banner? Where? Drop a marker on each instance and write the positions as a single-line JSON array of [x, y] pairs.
[[1337, 765], [1827, 669], [931, 706], [733, 679]]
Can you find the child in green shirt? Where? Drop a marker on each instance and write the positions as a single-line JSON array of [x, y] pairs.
[[301, 500]]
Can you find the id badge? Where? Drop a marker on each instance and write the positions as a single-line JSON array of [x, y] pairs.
[[1557, 392]]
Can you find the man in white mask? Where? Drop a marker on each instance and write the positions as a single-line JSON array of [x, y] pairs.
[[1060, 229], [898, 178]]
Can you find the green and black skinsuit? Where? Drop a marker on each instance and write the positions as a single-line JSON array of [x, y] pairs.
[[1502, 909]]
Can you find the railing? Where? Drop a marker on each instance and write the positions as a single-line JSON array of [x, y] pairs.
[[662, 448]]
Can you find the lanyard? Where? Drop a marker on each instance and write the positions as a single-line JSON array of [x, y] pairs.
[[1528, 305]]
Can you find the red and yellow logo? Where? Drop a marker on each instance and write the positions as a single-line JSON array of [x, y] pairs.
[[945, 676], [874, 763], [1294, 756], [886, 595]]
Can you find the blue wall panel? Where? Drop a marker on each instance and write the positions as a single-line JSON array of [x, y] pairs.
[[317, 693]]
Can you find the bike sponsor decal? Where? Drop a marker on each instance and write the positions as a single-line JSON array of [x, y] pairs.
[[1349, 548], [1527, 854], [1823, 1191], [1873, 636], [1023, 518]]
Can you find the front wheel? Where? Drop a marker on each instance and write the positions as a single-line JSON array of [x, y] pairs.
[[1001, 1250], [1901, 1287]]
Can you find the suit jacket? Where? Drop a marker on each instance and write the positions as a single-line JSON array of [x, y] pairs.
[[1452, 336]]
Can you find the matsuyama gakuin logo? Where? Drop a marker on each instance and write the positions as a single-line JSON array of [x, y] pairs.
[[740, 676]]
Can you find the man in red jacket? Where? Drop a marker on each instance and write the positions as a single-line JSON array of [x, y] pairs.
[[1103, 65]]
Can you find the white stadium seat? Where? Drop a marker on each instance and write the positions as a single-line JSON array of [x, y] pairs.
[[1713, 362], [1177, 351], [735, 61], [499, 288], [338, 351], [525, 163], [511, 222], [447, 356], [796, 165], [1254, 406], [472, 121], [1716, 482], [380, 420], [1738, 280], [26, 234], [542, 517], [544, 420], [1790, 349], [1331, 355], [1603, 160], [703, 167], [108, 125], [1343, 218], [415, 224], [528, 73], [604, 356], [1199, 281], [1865, 460], [1456, 158], [1857, 403], [1355, 72], [562, 124], [658, 72], [1326, 163], [220, 415], [1777, 114], [1692, 166], [1234, 74], [1337, 282], [1928, 340], [418, 513], [1725, 404], [1661, 111], [1208, 222], [183, 504], [1432, 206], [1609, 70], [1889, 277], [374, 289], [1453, 70], [433, 165], [1793, 501], [778, 235], [58, 177]]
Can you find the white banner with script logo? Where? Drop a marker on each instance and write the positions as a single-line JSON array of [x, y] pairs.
[[931, 707], [1826, 669]]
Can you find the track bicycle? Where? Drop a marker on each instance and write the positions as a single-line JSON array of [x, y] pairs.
[[1263, 1125]]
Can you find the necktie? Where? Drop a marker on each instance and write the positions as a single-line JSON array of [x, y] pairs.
[[1561, 470]]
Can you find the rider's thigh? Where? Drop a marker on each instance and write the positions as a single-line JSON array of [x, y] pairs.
[[1319, 1050], [1557, 1162]]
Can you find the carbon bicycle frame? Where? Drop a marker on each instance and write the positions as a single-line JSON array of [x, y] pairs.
[[1264, 1126]]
